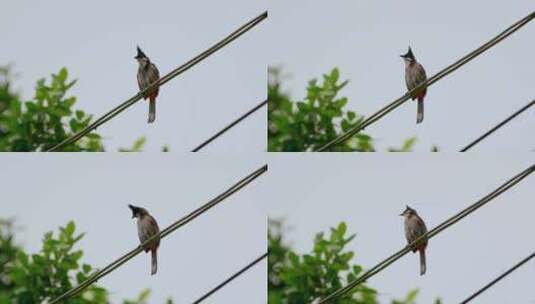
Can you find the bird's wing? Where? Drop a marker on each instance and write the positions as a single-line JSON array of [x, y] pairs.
[[152, 74], [414, 76], [420, 74], [153, 225], [422, 224], [141, 81], [415, 228], [153, 229]]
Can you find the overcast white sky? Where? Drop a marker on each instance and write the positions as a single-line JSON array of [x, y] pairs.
[[365, 38], [45, 193], [97, 41], [316, 192]]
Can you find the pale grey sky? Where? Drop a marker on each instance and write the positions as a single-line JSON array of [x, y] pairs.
[[97, 41], [44, 192], [316, 192], [365, 38]]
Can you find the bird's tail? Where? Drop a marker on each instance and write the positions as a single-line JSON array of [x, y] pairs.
[[152, 109], [422, 261], [154, 263], [420, 115]]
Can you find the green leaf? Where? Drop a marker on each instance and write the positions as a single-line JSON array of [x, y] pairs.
[[80, 277], [79, 114], [409, 143], [62, 75], [136, 147], [86, 268], [294, 259], [335, 75], [69, 102], [31, 107], [340, 103], [69, 229], [23, 258], [342, 228], [38, 260], [411, 297]]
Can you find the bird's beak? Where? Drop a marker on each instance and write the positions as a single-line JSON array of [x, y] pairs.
[[401, 214]]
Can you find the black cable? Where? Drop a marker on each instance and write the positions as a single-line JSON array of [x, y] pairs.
[[232, 277], [179, 70], [501, 124], [170, 229], [444, 72], [232, 124], [447, 223], [503, 275]]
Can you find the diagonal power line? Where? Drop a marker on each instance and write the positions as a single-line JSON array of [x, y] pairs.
[[170, 229], [452, 220], [212, 291], [451, 68], [232, 124], [179, 70], [503, 275], [501, 124]]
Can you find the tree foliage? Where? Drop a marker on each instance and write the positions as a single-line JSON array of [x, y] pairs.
[[307, 125], [303, 278], [45, 120], [37, 278], [137, 146]]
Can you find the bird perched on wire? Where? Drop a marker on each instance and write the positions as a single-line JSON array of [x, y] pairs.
[[147, 227], [415, 75], [147, 74], [414, 228]]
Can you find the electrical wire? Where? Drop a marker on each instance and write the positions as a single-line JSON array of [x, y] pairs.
[[212, 291], [173, 227], [450, 221], [451, 68], [179, 70], [503, 275], [501, 124], [232, 124]]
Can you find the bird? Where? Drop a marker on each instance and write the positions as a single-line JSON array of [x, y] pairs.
[[415, 75], [414, 228], [147, 227], [146, 75]]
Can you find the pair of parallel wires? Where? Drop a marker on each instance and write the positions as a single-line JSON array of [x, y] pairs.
[[343, 137], [165, 232], [375, 117], [433, 232], [513, 181], [163, 80], [444, 72], [207, 206]]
